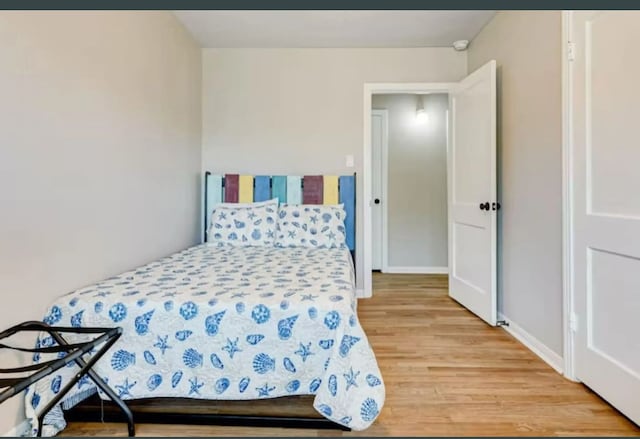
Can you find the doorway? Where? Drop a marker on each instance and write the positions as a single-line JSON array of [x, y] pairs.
[[409, 182], [472, 204]]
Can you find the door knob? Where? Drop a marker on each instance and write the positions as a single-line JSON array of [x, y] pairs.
[[485, 206], [376, 201]]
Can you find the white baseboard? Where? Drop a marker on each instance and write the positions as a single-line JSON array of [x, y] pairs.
[[360, 293], [536, 346], [20, 430], [416, 270]]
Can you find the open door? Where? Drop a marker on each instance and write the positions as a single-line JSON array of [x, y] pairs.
[[473, 204]]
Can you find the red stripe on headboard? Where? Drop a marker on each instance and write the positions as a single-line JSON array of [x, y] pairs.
[[231, 184], [312, 189]]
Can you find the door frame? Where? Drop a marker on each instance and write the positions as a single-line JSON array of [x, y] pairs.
[[568, 292], [371, 88], [384, 158]]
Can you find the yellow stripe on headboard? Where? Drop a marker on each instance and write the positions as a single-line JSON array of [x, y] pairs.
[[330, 195], [245, 191]]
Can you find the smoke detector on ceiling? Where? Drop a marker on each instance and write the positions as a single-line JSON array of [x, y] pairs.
[[461, 45]]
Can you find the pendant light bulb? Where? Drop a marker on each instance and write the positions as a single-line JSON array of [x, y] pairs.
[[421, 114]]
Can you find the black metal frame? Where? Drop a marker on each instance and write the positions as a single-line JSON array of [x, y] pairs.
[[74, 351], [81, 414]]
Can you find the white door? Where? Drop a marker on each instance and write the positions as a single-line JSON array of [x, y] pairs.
[[473, 206], [606, 205], [378, 145]]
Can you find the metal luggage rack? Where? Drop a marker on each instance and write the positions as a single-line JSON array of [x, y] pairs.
[[74, 352]]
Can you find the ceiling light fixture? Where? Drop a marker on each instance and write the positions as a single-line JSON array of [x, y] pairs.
[[421, 113]]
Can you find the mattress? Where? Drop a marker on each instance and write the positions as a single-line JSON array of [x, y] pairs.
[[227, 323]]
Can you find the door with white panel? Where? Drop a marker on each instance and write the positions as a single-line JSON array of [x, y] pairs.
[[378, 162], [473, 206], [605, 149]]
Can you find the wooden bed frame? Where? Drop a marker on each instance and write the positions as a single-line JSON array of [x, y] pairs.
[[247, 413]]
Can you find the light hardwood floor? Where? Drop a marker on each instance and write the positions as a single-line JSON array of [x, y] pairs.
[[447, 374]]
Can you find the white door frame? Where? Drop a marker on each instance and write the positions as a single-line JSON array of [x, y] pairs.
[[384, 158], [369, 90], [568, 318]]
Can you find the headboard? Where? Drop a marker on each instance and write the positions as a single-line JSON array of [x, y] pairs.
[[291, 189]]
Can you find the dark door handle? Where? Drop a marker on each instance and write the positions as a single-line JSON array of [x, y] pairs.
[[485, 206], [376, 201]]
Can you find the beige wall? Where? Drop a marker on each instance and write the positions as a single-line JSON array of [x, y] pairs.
[[527, 48], [300, 111], [99, 152], [417, 180]]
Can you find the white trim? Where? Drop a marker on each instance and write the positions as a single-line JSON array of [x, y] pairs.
[[385, 193], [360, 293], [369, 90], [21, 430], [366, 195], [567, 199], [533, 344], [417, 270]]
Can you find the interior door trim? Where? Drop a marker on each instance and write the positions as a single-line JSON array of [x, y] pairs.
[[369, 89], [568, 292]]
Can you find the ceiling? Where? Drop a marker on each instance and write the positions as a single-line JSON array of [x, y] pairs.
[[332, 28]]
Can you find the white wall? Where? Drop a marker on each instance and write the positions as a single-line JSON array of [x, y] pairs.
[[527, 48], [300, 111], [99, 152], [417, 180]]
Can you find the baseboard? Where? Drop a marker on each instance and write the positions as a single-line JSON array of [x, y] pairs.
[[416, 270], [533, 344], [360, 293], [21, 430]]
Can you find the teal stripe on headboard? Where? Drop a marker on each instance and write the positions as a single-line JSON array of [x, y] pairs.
[[214, 196], [294, 189], [348, 197], [279, 188]]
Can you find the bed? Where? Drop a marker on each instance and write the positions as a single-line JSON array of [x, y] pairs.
[[228, 323]]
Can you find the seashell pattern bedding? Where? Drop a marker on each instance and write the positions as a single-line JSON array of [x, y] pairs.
[[228, 323]]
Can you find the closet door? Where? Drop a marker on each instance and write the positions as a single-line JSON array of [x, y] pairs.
[[378, 209], [606, 206]]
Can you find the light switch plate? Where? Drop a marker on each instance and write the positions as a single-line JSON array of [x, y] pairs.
[[349, 161]]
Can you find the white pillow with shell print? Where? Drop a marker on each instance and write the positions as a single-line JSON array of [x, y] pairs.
[[244, 225], [311, 225]]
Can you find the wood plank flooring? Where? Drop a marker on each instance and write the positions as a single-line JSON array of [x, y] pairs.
[[446, 373]]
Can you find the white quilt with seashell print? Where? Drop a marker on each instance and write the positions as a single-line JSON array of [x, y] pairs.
[[227, 323]]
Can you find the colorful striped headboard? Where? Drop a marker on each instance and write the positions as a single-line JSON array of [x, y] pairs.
[[291, 189]]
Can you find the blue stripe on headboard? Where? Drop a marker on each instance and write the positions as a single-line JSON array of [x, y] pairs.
[[348, 197], [262, 189]]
